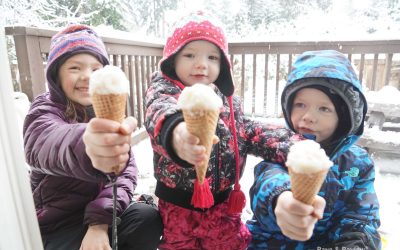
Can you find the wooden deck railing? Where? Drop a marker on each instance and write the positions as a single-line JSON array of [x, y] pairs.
[[260, 68]]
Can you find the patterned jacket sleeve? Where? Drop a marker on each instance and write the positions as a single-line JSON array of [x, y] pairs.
[[162, 112], [271, 142], [358, 216], [351, 217], [270, 180]]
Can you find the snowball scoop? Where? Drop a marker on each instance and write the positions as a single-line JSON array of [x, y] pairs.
[[201, 107], [308, 165], [199, 97], [108, 80]]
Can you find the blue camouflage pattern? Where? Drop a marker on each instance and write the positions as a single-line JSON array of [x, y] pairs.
[[351, 215], [323, 63]]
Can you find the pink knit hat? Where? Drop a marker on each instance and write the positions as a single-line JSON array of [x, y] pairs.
[[198, 26]]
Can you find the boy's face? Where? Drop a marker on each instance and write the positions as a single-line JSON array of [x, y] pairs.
[[74, 76], [198, 62], [314, 113]]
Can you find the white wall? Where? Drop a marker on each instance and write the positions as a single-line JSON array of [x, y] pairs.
[[19, 229]]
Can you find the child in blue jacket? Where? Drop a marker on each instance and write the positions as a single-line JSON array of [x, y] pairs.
[[323, 98]]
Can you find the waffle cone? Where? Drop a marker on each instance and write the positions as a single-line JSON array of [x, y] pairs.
[[202, 124], [306, 186], [111, 106]]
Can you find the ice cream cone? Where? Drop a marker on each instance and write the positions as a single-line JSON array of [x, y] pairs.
[[202, 124], [308, 165], [305, 186], [200, 107], [110, 106]]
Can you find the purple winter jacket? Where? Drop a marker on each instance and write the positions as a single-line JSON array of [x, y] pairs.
[[67, 190]]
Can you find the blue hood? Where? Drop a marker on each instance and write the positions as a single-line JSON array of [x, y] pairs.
[[338, 75]]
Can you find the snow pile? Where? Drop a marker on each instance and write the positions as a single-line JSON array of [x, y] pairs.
[[386, 137], [387, 101], [386, 95]]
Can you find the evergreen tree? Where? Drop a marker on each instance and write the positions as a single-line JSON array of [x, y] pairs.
[[148, 15], [110, 14], [58, 13]]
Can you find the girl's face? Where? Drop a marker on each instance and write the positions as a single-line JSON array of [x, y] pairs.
[[314, 113], [198, 62], [74, 76]]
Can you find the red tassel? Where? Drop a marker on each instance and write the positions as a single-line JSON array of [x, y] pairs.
[[237, 201], [202, 196]]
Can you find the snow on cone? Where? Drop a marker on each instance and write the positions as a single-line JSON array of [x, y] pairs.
[[201, 106], [108, 88], [308, 166]]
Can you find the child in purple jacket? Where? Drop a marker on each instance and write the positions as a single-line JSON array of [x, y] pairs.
[[71, 153]]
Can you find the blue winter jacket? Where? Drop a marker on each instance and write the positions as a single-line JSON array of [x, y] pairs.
[[351, 215]]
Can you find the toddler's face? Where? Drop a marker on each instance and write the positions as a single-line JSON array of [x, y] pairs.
[[314, 113], [198, 62], [74, 76]]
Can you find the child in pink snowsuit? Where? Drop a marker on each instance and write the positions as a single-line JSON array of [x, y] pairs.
[[197, 52]]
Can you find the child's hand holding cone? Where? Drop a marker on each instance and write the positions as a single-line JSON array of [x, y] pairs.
[[109, 89], [187, 146], [298, 211]]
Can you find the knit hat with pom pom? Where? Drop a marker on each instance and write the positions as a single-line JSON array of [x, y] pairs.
[[198, 26], [74, 39]]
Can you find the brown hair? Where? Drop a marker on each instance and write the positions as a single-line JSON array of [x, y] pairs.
[[76, 112]]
